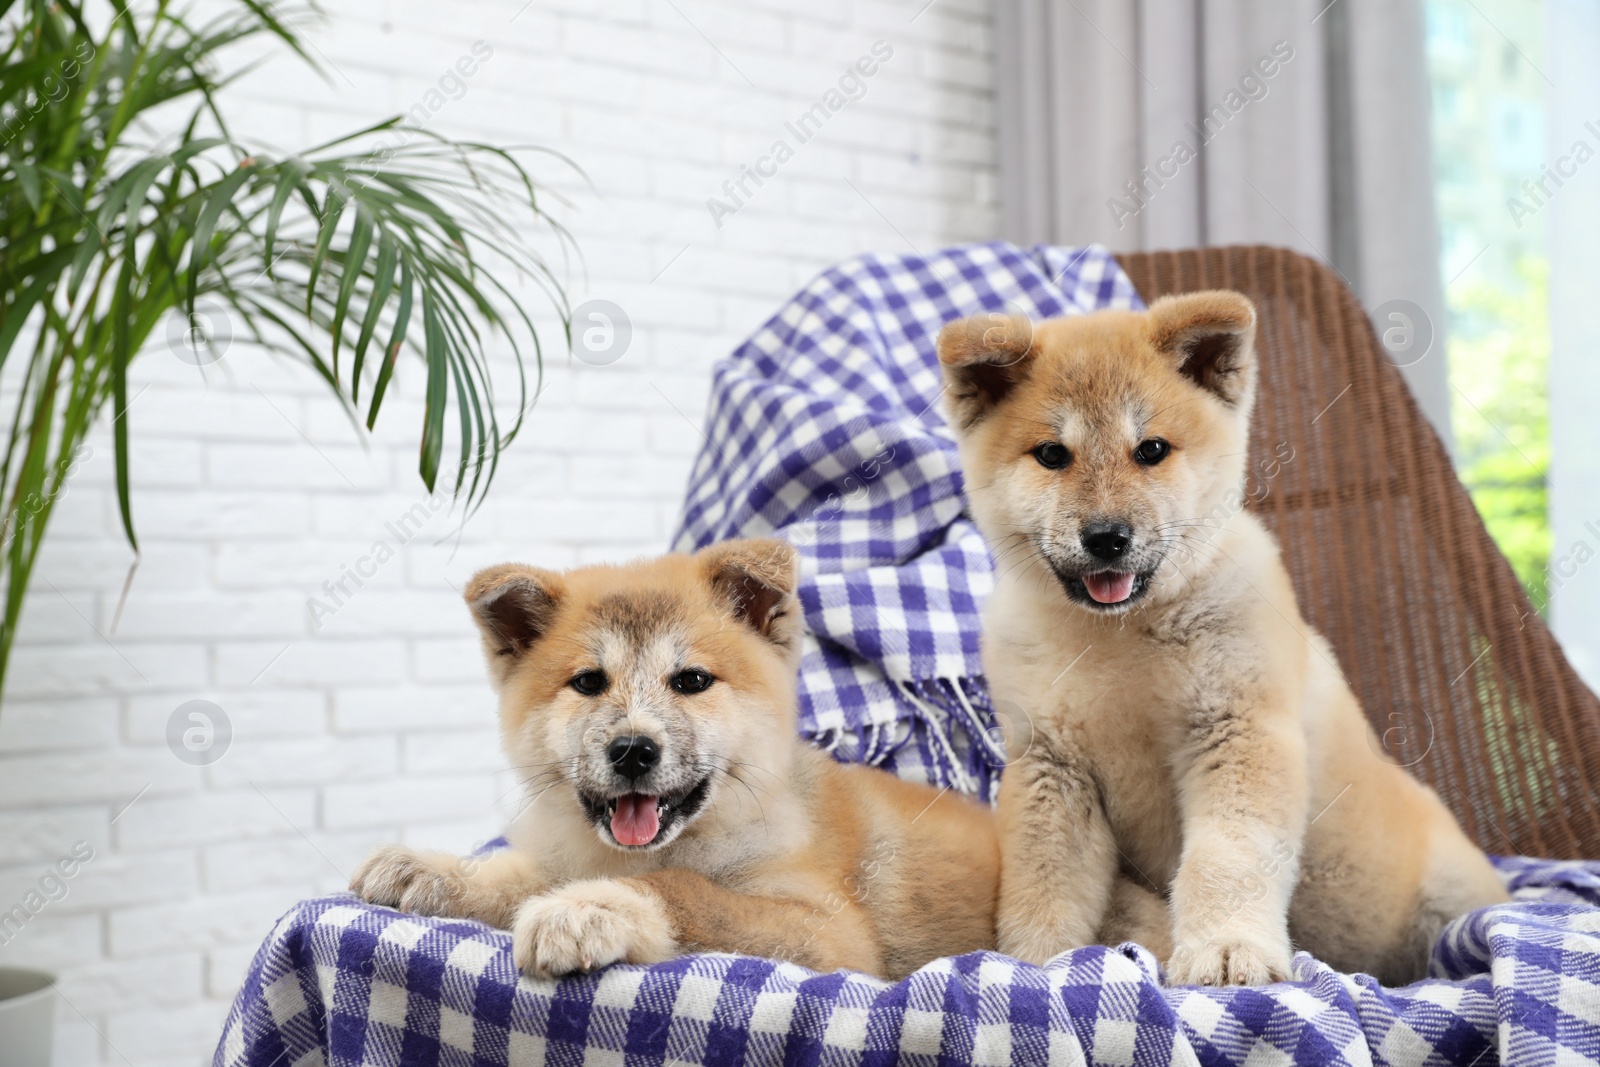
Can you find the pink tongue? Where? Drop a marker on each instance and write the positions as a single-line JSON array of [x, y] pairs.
[[635, 822], [1109, 588]]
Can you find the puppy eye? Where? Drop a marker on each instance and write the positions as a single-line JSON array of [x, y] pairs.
[[589, 683], [1151, 452], [1052, 454], [692, 680]]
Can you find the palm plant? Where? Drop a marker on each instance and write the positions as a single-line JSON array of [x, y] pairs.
[[342, 255]]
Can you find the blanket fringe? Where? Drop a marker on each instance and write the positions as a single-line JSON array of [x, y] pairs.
[[943, 733]]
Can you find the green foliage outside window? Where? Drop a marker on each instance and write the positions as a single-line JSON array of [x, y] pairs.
[[1499, 361]]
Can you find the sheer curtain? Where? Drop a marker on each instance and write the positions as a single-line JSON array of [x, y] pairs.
[[1572, 64], [1145, 124]]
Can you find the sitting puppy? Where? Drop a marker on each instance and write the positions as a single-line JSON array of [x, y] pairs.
[[650, 709], [1178, 718]]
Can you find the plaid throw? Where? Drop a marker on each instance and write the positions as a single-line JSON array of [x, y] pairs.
[[346, 984], [825, 428]]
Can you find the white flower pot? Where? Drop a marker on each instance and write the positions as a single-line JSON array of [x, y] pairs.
[[27, 1017]]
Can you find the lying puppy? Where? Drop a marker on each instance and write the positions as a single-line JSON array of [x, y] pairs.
[[650, 708], [1180, 719]]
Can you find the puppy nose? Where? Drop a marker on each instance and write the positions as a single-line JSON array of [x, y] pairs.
[[1107, 540], [633, 755]]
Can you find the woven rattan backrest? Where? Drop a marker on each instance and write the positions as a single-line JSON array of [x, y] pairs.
[[1458, 674]]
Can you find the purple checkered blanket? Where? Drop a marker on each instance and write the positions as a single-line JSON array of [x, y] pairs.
[[825, 429], [340, 983]]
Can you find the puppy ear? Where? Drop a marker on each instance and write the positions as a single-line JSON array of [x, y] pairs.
[[984, 357], [513, 605], [1210, 337], [756, 580]]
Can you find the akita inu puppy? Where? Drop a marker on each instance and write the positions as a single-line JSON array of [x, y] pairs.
[[650, 708], [1179, 721]]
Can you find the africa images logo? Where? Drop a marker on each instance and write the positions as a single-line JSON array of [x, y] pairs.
[[852, 86]]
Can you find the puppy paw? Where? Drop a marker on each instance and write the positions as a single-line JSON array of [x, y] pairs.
[[1228, 962], [423, 883], [1037, 939], [584, 925]]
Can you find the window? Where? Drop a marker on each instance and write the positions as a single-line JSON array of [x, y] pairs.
[[1489, 119]]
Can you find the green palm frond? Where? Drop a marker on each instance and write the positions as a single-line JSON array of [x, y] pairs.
[[346, 255]]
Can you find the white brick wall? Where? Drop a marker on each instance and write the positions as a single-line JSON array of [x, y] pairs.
[[379, 727]]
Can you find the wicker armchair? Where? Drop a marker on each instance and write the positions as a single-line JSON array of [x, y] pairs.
[[1459, 675]]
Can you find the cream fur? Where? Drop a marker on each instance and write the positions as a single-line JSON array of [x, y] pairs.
[[790, 854], [1200, 736]]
